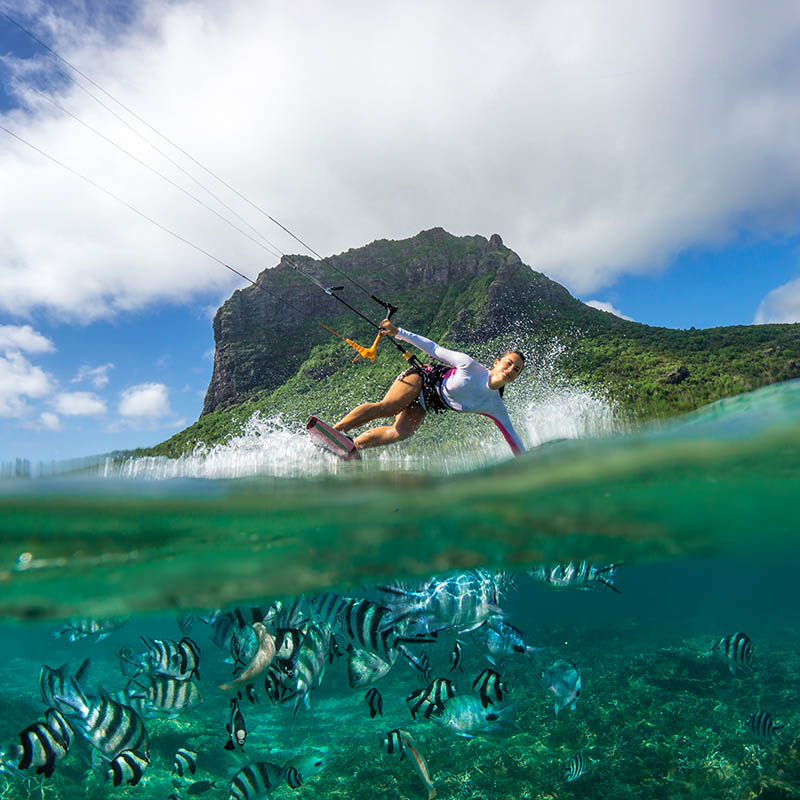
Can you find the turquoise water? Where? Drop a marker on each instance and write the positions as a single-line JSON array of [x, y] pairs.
[[703, 511]]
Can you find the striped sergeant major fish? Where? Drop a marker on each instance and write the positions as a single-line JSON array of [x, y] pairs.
[[576, 766], [255, 781], [431, 700], [128, 767], [44, 743], [56, 684], [489, 687], [237, 731], [402, 742], [763, 727], [375, 702], [163, 695], [581, 575], [736, 650], [462, 601], [302, 767], [184, 762], [78, 629], [180, 660], [108, 725]]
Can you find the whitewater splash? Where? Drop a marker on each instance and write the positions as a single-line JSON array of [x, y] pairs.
[[266, 446], [279, 448]]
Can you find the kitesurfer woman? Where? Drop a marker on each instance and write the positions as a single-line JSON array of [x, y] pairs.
[[459, 384]]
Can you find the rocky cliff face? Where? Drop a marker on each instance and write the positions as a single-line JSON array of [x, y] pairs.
[[449, 288]]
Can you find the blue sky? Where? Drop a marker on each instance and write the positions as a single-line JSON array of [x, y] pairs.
[[647, 159]]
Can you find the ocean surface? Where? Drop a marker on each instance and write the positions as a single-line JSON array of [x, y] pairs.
[[447, 553]]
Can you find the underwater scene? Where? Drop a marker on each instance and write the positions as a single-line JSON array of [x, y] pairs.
[[614, 614]]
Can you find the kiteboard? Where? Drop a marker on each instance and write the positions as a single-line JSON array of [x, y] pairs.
[[335, 442]]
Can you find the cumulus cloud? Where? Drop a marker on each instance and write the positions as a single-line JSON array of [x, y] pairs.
[[19, 379], [50, 421], [97, 376], [598, 138], [780, 305], [79, 404], [25, 339], [600, 305], [145, 401]]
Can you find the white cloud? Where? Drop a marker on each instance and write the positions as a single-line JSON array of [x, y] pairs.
[[147, 400], [780, 305], [50, 421], [19, 379], [600, 305], [79, 404], [25, 339], [97, 376], [608, 136]]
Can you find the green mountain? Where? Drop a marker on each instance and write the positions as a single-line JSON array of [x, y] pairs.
[[473, 294]]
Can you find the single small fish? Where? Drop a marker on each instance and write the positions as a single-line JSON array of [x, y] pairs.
[[500, 640], [108, 725], [456, 655], [563, 679], [179, 660], [420, 765], [375, 702], [185, 761], [465, 716], [255, 781], [575, 768], [82, 628], [489, 687], [364, 667], [431, 700], [736, 650], [580, 576], [302, 767], [41, 746], [161, 694], [201, 787], [128, 767], [237, 732], [763, 726], [250, 691]]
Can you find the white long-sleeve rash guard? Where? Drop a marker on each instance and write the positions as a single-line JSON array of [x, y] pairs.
[[466, 387]]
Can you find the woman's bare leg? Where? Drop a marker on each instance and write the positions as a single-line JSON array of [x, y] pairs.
[[405, 425], [402, 393]]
